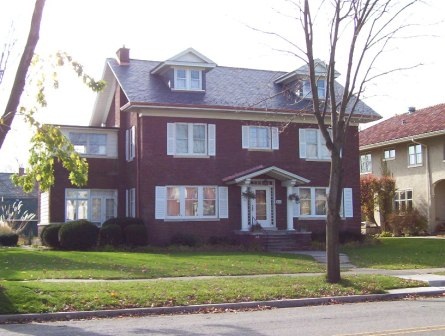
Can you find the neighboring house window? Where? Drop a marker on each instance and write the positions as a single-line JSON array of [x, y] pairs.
[[365, 164], [191, 202], [306, 91], [313, 202], [130, 143], [389, 154], [131, 202], [95, 205], [89, 143], [403, 200], [415, 155], [313, 145], [186, 139], [188, 79], [260, 137]]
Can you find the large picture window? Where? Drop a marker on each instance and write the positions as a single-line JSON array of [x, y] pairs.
[[313, 202], [89, 143], [95, 205], [191, 201]]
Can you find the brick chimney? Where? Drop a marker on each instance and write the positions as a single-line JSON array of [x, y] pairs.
[[123, 56], [21, 171]]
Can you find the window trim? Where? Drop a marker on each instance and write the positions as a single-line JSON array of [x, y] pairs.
[[130, 144], [313, 202], [321, 145], [306, 92], [210, 140], [89, 143], [405, 200], [367, 162]]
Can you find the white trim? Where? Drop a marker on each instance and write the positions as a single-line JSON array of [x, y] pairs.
[[273, 171], [223, 202], [272, 137]]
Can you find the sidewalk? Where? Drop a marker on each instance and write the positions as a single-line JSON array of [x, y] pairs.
[[436, 287]]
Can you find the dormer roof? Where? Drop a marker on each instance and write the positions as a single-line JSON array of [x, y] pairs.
[[188, 58], [321, 70]]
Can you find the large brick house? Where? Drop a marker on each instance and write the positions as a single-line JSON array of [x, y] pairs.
[[411, 147], [196, 148]]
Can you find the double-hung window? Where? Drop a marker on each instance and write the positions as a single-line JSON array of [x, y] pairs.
[[188, 79], [313, 145], [188, 139], [415, 155], [260, 137], [365, 164], [89, 143]]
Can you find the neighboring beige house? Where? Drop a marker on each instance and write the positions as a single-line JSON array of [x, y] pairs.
[[412, 147]]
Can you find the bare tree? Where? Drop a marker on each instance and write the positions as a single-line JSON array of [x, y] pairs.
[[22, 70], [363, 28]]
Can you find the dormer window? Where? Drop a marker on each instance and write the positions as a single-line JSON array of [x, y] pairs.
[[306, 91], [188, 79]]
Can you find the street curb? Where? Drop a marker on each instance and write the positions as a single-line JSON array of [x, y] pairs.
[[291, 303]]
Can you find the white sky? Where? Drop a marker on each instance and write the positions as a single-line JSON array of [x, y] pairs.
[[91, 31]]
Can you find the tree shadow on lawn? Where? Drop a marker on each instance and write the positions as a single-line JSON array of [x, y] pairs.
[[5, 303]]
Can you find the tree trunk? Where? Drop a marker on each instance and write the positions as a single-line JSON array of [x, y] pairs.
[[333, 220], [22, 70]]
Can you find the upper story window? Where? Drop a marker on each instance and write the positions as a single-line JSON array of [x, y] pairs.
[[313, 145], [188, 139], [130, 143], [389, 154], [415, 155], [188, 79], [89, 143], [306, 91], [260, 137], [365, 164]]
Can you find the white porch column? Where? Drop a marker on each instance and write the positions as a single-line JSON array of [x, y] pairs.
[[290, 205], [244, 207]]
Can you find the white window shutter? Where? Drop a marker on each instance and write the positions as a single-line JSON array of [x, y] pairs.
[[211, 139], [160, 202], [245, 136], [171, 128], [302, 140], [127, 141], [132, 142], [296, 204], [275, 138], [223, 202], [348, 203], [127, 203]]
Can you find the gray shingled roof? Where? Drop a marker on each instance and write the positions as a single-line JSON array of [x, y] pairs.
[[9, 190], [226, 87]]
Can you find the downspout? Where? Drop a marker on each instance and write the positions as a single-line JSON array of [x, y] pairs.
[[428, 179], [137, 158]]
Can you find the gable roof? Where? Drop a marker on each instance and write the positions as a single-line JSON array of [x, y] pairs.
[[226, 88], [321, 69], [278, 173], [421, 123]]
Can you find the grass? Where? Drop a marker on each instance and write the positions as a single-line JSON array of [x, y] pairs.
[[399, 253], [39, 297], [33, 264]]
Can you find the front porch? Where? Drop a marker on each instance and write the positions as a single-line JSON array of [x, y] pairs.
[[274, 240]]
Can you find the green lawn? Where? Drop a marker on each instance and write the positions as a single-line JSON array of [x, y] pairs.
[[32, 264], [36, 296], [399, 253]]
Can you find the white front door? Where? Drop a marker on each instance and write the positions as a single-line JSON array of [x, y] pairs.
[[261, 206]]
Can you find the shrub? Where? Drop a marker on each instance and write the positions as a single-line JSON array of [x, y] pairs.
[[78, 235], [184, 239], [110, 234], [350, 236], [8, 238], [123, 222], [217, 240], [50, 235], [410, 223], [135, 235]]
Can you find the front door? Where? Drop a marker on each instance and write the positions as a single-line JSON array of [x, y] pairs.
[[261, 206]]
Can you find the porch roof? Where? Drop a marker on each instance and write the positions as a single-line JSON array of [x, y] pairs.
[[272, 171]]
